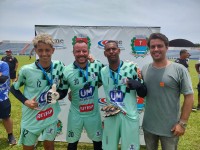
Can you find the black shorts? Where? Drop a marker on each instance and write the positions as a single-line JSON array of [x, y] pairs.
[[13, 75], [5, 109]]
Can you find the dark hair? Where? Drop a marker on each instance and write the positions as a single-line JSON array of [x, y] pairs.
[[158, 36], [183, 51], [111, 41]]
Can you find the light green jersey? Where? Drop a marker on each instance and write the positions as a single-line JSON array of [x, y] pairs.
[[84, 101], [123, 97], [36, 85]]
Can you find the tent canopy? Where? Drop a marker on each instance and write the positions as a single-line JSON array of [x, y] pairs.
[[181, 43]]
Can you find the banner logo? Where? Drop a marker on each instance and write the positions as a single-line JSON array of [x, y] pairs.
[[82, 37], [140, 104], [139, 46], [59, 44], [102, 100], [102, 43]]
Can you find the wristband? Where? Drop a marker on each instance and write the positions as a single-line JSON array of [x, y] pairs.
[[182, 124]]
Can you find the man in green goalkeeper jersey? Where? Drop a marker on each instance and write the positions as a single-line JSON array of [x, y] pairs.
[[121, 84], [83, 78], [42, 89]]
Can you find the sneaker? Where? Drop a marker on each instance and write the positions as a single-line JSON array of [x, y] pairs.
[[198, 107], [194, 109], [12, 140]]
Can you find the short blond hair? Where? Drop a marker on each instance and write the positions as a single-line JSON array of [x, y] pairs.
[[44, 38]]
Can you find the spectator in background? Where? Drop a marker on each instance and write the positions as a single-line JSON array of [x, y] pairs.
[[13, 64], [184, 58], [165, 81], [5, 106], [31, 53], [197, 67]]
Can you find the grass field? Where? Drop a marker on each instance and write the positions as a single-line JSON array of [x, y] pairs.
[[190, 141]]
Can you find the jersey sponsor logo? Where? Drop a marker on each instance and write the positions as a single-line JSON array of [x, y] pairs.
[[139, 46], [42, 115], [86, 108], [42, 100], [84, 93], [116, 96]]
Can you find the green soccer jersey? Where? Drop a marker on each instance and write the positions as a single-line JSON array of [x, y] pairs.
[[36, 85], [120, 94], [84, 100]]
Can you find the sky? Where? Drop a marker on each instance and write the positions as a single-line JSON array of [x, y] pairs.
[[177, 18]]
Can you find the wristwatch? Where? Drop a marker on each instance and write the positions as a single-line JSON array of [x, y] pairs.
[[182, 124]]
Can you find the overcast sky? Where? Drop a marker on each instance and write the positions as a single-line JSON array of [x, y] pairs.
[[177, 18]]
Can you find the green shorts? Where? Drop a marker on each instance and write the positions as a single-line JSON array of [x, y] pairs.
[[91, 124], [47, 134], [120, 126]]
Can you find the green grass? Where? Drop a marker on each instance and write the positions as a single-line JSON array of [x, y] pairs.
[[190, 141]]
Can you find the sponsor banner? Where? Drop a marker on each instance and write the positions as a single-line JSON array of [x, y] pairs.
[[132, 42]]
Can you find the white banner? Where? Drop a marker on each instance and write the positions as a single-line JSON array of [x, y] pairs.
[[131, 40]]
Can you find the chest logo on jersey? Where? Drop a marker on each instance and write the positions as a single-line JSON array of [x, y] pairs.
[[84, 93], [86, 108], [42, 100], [42, 115], [116, 96]]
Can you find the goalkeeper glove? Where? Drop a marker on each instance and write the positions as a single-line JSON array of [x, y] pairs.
[[52, 96]]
